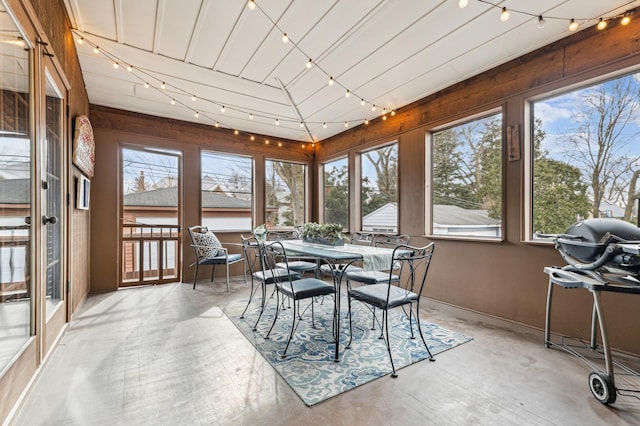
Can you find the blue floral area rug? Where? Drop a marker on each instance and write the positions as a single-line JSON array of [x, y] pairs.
[[309, 367]]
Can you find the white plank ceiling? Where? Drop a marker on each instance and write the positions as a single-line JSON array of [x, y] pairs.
[[387, 52]]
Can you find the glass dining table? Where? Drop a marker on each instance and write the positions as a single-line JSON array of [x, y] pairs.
[[338, 258]]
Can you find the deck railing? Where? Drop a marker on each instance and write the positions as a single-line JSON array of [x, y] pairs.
[[150, 254], [15, 246]]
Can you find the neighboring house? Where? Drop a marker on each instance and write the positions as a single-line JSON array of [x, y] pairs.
[[611, 210], [383, 219], [454, 220], [159, 206], [447, 220]]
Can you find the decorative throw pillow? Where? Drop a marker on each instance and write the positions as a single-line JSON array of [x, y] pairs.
[[209, 245]]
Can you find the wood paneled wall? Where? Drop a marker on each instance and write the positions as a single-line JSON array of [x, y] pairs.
[[502, 279], [114, 128]]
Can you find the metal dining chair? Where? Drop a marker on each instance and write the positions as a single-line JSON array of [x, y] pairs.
[[357, 238], [261, 277], [401, 289], [301, 290], [209, 251], [298, 265]]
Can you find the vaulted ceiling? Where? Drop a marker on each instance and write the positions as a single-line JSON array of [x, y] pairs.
[[223, 53]]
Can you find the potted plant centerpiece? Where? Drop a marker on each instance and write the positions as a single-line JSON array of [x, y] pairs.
[[325, 233]]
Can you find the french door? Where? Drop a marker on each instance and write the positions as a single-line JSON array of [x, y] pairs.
[[53, 210]]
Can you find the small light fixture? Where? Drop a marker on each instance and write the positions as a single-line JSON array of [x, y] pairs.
[[347, 93], [277, 122], [163, 85], [625, 20], [96, 50], [330, 81], [373, 107], [251, 4], [346, 124], [280, 144], [573, 25], [253, 138], [222, 109], [463, 3], [541, 22], [285, 38], [217, 124], [384, 117], [251, 116], [504, 16], [196, 114], [129, 68], [301, 124], [303, 146], [116, 65], [309, 63], [366, 121], [393, 112], [80, 40], [146, 85], [266, 141], [361, 102], [324, 124], [384, 110], [235, 132], [173, 101], [602, 24], [193, 98]]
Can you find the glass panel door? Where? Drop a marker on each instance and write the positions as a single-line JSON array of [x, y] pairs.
[[15, 193], [52, 193], [150, 217]]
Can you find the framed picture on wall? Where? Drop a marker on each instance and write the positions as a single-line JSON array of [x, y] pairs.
[[84, 146], [83, 192]]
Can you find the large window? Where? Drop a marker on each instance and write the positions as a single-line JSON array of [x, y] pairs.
[[585, 154], [227, 191], [336, 192], [466, 177], [380, 189], [285, 193]]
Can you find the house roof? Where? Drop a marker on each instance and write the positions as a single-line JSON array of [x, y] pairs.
[[443, 215], [168, 197]]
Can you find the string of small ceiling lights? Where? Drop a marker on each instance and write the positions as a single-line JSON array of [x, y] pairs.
[[146, 77], [574, 23]]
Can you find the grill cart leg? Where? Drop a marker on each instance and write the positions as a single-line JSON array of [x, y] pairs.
[[602, 385], [547, 318]]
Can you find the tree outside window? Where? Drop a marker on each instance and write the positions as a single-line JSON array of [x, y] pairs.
[[586, 155], [467, 179], [336, 192], [380, 189], [285, 193]]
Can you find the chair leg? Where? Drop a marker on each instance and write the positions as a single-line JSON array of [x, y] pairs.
[[213, 271], [275, 316], [227, 263], [431, 358], [348, 346], [195, 277], [293, 328], [262, 305], [251, 294], [386, 328]]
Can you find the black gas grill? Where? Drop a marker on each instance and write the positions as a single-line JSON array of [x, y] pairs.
[[601, 255]]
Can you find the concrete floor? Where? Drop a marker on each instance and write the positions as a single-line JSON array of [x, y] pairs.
[[167, 355]]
